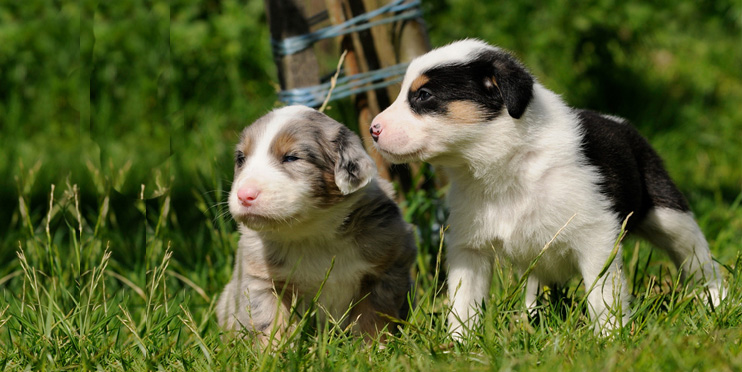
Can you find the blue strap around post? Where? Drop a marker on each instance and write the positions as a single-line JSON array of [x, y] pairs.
[[295, 44], [345, 86], [354, 84]]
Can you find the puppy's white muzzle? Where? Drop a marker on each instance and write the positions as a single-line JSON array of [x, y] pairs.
[[396, 134]]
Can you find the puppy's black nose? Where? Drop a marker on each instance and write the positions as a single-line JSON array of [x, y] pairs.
[[375, 130]]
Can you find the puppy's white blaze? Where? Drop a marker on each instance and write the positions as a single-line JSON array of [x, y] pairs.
[[286, 113]]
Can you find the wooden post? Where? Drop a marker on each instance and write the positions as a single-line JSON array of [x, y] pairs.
[[362, 57], [413, 39], [288, 18], [395, 43]]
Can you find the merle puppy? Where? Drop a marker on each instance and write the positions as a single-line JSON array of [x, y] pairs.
[[305, 195], [521, 164]]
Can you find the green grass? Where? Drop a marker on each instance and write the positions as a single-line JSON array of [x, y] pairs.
[[110, 96], [72, 299]]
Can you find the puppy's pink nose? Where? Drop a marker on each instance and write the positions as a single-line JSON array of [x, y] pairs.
[[375, 130], [247, 195]]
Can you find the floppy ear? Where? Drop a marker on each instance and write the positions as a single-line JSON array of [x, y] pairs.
[[513, 81], [354, 168]]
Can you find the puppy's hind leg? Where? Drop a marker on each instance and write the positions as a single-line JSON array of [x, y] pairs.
[[677, 233], [385, 299]]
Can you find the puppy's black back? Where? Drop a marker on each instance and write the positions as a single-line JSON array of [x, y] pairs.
[[633, 176]]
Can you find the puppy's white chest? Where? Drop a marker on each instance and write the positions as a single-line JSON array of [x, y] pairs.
[[337, 271], [510, 225], [478, 220]]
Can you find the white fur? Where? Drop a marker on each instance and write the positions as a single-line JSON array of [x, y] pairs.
[[316, 229], [288, 239], [510, 197], [678, 234], [314, 259], [514, 184], [276, 200]]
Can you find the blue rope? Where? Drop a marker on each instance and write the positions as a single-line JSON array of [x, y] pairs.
[[345, 86], [295, 44]]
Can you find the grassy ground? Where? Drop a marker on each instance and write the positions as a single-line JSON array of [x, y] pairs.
[[98, 99], [73, 299]]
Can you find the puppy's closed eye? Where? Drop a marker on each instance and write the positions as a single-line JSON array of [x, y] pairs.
[[239, 158], [289, 158]]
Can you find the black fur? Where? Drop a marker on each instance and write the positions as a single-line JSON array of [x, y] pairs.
[[513, 80], [467, 82], [633, 176]]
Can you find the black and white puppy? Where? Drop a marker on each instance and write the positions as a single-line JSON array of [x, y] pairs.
[[521, 163], [305, 193]]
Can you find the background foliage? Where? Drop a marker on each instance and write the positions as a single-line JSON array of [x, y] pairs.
[[99, 98]]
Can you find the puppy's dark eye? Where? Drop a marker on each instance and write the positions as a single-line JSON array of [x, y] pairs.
[[239, 158], [289, 159], [424, 95]]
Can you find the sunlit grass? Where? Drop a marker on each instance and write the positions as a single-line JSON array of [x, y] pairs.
[[71, 301]]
